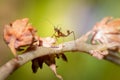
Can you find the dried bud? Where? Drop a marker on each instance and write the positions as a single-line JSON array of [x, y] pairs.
[[19, 33], [108, 30]]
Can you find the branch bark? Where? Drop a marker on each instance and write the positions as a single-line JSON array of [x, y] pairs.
[[101, 42], [77, 45]]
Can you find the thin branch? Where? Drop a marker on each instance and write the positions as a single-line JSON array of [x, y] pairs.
[[77, 45], [101, 42]]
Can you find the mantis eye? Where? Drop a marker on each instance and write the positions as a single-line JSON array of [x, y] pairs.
[[68, 31]]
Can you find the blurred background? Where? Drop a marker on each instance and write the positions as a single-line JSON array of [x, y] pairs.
[[76, 15]]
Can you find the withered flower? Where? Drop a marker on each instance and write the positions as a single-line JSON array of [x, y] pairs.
[[19, 33]]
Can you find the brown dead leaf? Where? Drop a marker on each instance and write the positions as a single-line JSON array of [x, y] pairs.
[[48, 60], [19, 33], [108, 30]]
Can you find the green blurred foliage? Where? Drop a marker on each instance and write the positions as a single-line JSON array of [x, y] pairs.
[[43, 15]]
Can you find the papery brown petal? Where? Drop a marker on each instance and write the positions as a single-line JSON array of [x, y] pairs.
[[57, 55], [63, 56], [35, 65], [53, 68], [50, 59], [21, 32], [40, 62]]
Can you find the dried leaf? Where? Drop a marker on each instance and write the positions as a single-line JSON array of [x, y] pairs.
[[35, 65], [64, 57], [53, 68], [48, 60], [19, 33], [107, 31]]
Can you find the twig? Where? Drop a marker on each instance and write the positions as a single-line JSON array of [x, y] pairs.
[[101, 42], [77, 45]]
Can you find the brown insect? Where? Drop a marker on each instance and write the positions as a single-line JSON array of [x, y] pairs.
[[58, 33]]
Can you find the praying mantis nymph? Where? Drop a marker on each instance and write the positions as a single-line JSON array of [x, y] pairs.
[[58, 33]]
